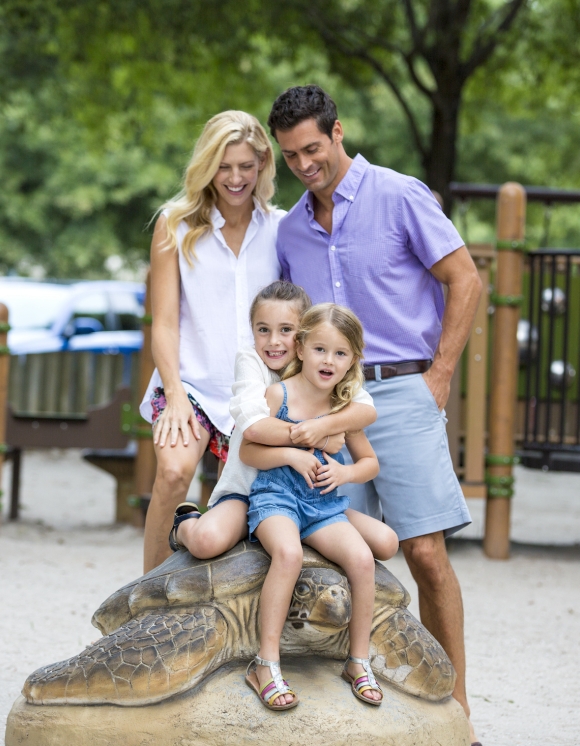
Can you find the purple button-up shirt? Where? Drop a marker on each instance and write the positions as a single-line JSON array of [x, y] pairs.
[[387, 231]]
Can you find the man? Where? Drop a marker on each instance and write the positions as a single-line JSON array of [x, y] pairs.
[[377, 241]]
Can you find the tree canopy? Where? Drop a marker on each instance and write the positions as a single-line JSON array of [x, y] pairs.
[[102, 102]]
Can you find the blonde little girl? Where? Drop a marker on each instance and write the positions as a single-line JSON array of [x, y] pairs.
[[287, 507], [274, 316]]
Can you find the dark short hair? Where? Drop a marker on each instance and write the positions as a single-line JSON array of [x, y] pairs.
[[300, 103], [281, 290]]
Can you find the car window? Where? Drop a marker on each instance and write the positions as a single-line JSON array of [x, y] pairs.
[[33, 305], [127, 310], [95, 306]]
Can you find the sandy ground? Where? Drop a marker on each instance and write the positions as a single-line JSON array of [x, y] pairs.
[[522, 616]]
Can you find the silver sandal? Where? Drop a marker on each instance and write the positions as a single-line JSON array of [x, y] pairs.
[[273, 688], [364, 682]]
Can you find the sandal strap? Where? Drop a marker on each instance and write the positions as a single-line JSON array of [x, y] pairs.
[[367, 680], [183, 512], [362, 684], [275, 686], [270, 691], [263, 662], [180, 518]]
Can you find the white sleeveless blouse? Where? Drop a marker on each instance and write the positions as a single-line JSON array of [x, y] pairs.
[[216, 294]]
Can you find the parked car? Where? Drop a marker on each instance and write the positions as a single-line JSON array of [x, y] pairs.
[[101, 316]]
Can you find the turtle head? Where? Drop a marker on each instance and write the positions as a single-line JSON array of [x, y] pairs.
[[321, 599]]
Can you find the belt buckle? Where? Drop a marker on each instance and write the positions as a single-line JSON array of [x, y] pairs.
[[378, 374]]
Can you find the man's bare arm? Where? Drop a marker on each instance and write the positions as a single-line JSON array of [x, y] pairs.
[[459, 273]]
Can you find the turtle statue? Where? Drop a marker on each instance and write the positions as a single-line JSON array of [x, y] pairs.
[[166, 632]]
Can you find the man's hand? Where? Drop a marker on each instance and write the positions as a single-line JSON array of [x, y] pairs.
[[308, 433], [306, 464], [439, 384]]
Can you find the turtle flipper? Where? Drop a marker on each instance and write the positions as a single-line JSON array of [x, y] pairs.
[[404, 653], [144, 661]]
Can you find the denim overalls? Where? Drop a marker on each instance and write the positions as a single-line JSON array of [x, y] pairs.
[[283, 491]]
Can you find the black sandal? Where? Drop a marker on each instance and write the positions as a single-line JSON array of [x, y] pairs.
[[182, 513]]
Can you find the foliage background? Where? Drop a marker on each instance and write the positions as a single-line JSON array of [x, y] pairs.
[[101, 104]]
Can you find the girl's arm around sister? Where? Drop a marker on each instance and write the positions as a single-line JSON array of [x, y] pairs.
[[328, 476]]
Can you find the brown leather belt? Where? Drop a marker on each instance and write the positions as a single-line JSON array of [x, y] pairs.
[[389, 370]]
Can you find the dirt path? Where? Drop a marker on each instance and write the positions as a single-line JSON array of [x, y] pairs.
[[522, 616]]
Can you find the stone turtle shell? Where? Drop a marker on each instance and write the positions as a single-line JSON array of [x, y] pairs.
[[183, 581]]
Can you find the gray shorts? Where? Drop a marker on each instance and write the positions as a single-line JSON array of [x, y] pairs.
[[416, 490]]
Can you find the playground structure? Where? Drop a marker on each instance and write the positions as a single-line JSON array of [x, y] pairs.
[[191, 621], [508, 393]]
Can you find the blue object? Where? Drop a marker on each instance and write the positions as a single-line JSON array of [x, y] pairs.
[[96, 316], [283, 491], [416, 490]]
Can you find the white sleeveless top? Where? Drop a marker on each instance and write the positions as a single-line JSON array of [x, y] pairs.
[[214, 310]]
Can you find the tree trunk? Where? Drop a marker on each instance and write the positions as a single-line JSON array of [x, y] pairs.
[[439, 162]]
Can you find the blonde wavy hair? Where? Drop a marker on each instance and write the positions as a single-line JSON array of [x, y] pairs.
[[344, 321], [195, 201]]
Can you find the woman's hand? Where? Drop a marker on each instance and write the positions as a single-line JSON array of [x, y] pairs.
[[309, 433], [306, 464], [331, 474], [177, 417]]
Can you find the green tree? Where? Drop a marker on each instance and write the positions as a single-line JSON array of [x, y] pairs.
[[101, 103], [425, 51]]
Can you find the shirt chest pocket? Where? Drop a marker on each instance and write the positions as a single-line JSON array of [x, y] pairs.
[[368, 257]]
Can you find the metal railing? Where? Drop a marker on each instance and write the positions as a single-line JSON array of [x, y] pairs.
[[533, 193], [550, 359]]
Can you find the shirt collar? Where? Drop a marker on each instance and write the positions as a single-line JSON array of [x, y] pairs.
[[348, 187], [350, 183], [218, 220]]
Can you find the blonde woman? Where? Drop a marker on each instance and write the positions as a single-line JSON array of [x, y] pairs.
[[213, 249], [287, 508]]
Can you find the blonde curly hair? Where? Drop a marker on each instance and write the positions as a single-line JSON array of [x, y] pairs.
[[195, 201], [344, 321]]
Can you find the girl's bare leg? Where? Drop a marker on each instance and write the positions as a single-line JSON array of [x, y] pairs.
[[341, 543], [176, 466], [280, 537], [216, 531], [382, 540]]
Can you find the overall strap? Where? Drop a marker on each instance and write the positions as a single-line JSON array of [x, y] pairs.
[[285, 400]]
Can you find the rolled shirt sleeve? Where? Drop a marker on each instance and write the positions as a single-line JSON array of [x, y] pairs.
[[430, 234], [248, 403]]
